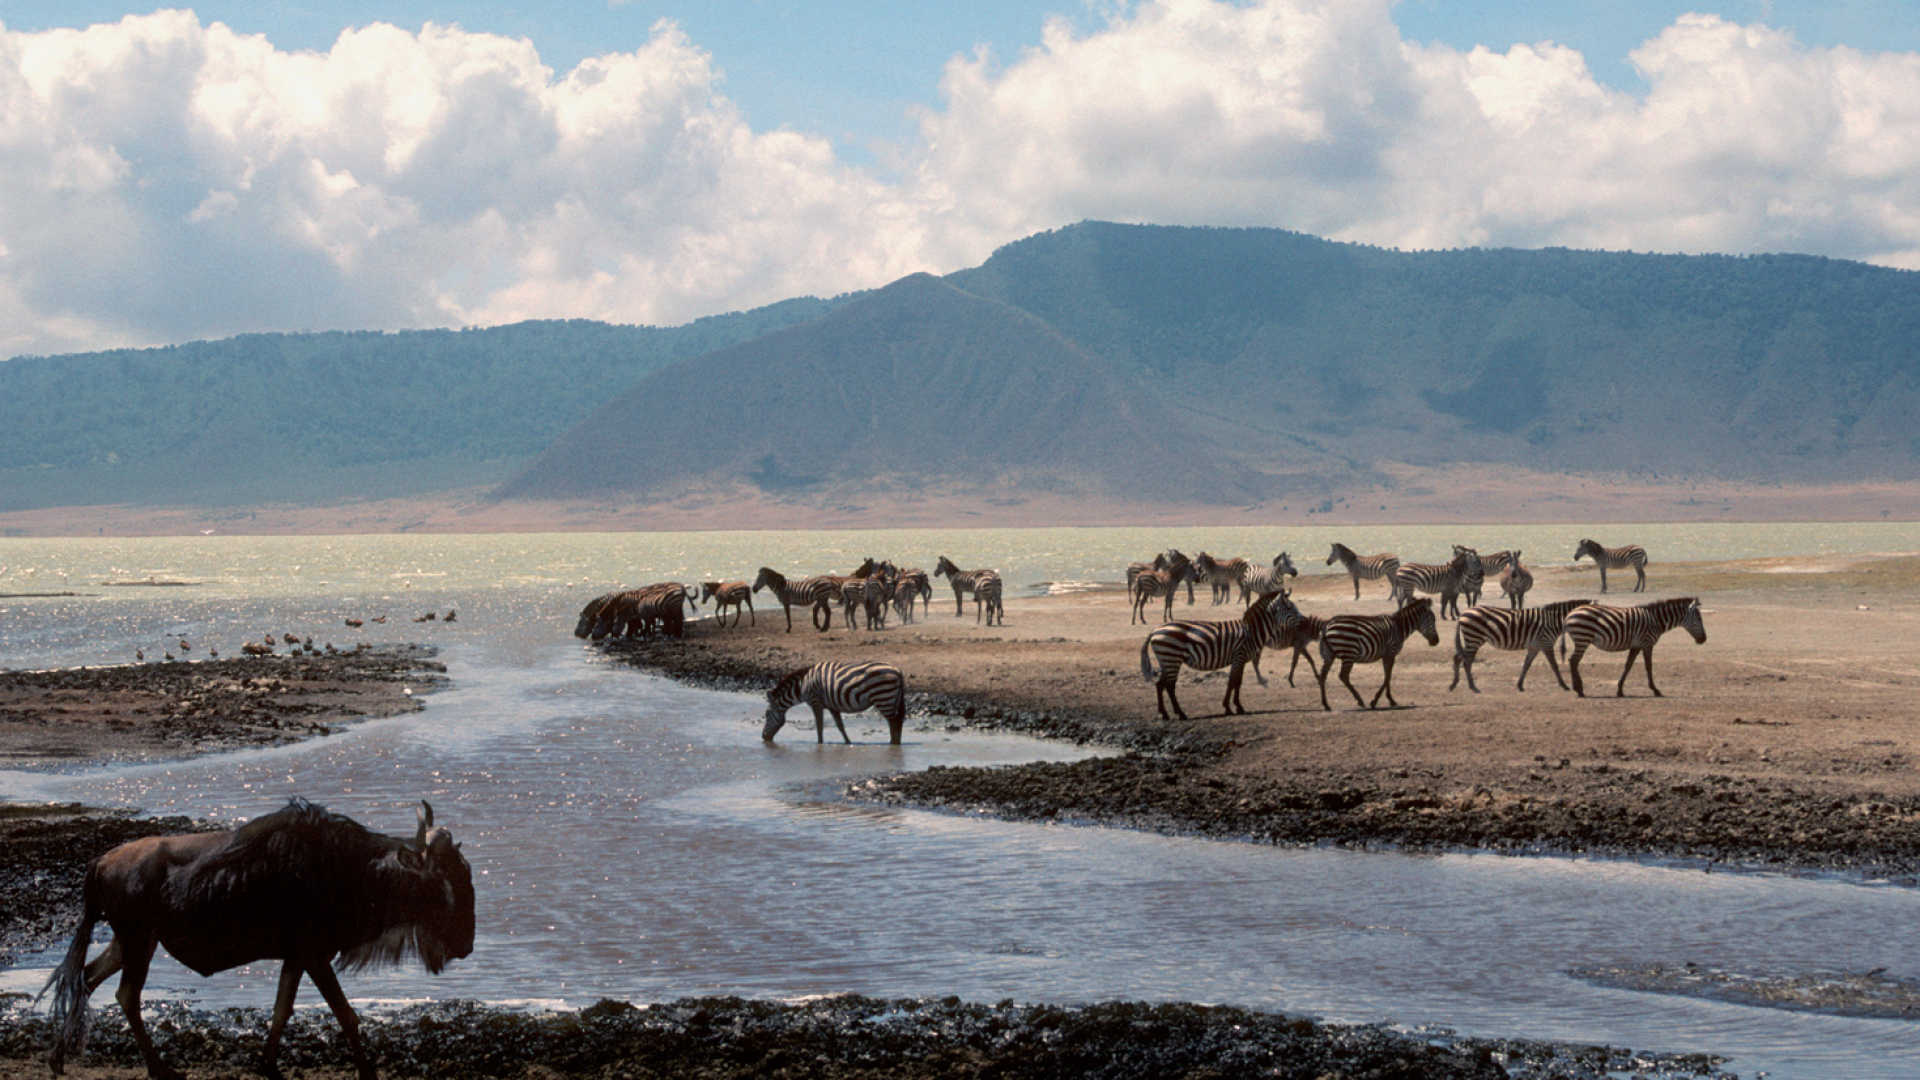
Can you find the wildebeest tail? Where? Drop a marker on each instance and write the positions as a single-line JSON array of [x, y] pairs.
[[68, 985]]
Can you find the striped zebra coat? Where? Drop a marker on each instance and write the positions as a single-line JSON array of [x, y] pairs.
[[1363, 639], [1209, 646], [1619, 558], [911, 584], [1163, 582], [1220, 576], [1513, 629], [1449, 579], [984, 585], [729, 594], [1304, 635], [1632, 629], [818, 592], [868, 595], [1369, 567], [1491, 566], [1515, 582], [629, 612], [838, 687], [1260, 579]]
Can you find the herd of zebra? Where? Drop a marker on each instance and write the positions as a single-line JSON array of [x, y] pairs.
[[1271, 620]]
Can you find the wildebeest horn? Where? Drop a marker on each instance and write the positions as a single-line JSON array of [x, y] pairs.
[[424, 816]]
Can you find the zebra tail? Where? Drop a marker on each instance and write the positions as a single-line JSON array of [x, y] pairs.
[[1147, 670], [68, 984]]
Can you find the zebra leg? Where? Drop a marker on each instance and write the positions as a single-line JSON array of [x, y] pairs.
[[1551, 663], [1646, 661], [752, 620], [1386, 684], [1640, 580], [1231, 703], [788, 608], [1620, 688], [1346, 677], [819, 724], [1573, 668], [1300, 651], [1603, 574], [841, 726], [1167, 683], [1532, 651], [1463, 662], [959, 606], [1356, 586]]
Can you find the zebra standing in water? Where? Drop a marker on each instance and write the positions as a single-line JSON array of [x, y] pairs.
[[983, 584], [1163, 581], [1515, 582], [1449, 579], [817, 592], [1222, 576], [1490, 565], [1619, 558], [1363, 639], [728, 594], [1210, 646], [839, 687], [1634, 629], [1532, 629], [1260, 579], [1370, 567]]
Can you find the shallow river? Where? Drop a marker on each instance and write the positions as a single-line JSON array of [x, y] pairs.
[[633, 838]]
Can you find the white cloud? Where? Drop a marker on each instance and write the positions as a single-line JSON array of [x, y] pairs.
[[167, 179]]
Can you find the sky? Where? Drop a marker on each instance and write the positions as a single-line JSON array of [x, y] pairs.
[[181, 174]]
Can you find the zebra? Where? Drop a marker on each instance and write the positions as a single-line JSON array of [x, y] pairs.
[[1222, 576], [1619, 558], [1259, 579], [1209, 646], [839, 687], [1382, 565], [983, 584], [1490, 565], [817, 592], [1305, 634], [1515, 582], [729, 594], [1634, 629], [861, 593], [634, 611], [1362, 639], [907, 586], [1449, 579], [1513, 629], [1164, 581]]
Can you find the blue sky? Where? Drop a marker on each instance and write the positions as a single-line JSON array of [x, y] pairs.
[[276, 165]]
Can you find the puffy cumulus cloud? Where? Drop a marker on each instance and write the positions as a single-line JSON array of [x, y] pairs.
[[168, 180]]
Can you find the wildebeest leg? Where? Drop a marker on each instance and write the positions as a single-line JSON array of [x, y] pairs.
[[1620, 688], [101, 967], [842, 727], [136, 953], [290, 973], [1346, 678], [323, 977], [1386, 684]]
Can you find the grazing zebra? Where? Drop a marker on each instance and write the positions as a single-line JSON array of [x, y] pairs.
[[817, 592], [1513, 629], [1490, 565], [1369, 567], [1222, 576], [983, 584], [1619, 558], [1634, 629], [1363, 639], [1163, 581], [1515, 582], [839, 687], [1209, 646], [729, 594], [1259, 579], [1449, 579]]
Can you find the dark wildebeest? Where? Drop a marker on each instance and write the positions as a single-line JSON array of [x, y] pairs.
[[299, 885]]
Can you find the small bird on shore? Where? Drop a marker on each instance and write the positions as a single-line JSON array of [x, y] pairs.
[[269, 641], [355, 623], [380, 618], [185, 645], [140, 655], [449, 616], [213, 651]]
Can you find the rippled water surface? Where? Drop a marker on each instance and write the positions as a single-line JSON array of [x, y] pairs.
[[634, 838]]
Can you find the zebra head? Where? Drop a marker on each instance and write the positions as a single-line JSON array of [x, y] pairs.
[[945, 566], [769, 579], [707, 589], [1421, 613], [1693, 623], [1283, 564], [1587, 547], [1203, 564], [1333, 556]]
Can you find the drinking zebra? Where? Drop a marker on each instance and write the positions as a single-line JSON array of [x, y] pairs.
[[729, 594], [1490, 565], [1532, 629], [1369, 567], [817, 592], [839, 687], [1164, 582], [1363, 639], [1210, 646], [1515, 582], [1221, 576], [1449, 579], [1260, 579], [1619, 558], [983, 584], [1634, 629]]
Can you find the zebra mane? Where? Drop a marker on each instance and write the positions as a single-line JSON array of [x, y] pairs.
[[787, 682], [1670, 611]]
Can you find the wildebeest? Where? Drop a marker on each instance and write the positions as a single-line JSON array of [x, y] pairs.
[[300, 885]]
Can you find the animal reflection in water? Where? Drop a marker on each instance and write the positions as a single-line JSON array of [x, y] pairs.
[[300, 885]]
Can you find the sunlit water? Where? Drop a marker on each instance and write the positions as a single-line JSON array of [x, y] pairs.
[[634, 839]]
